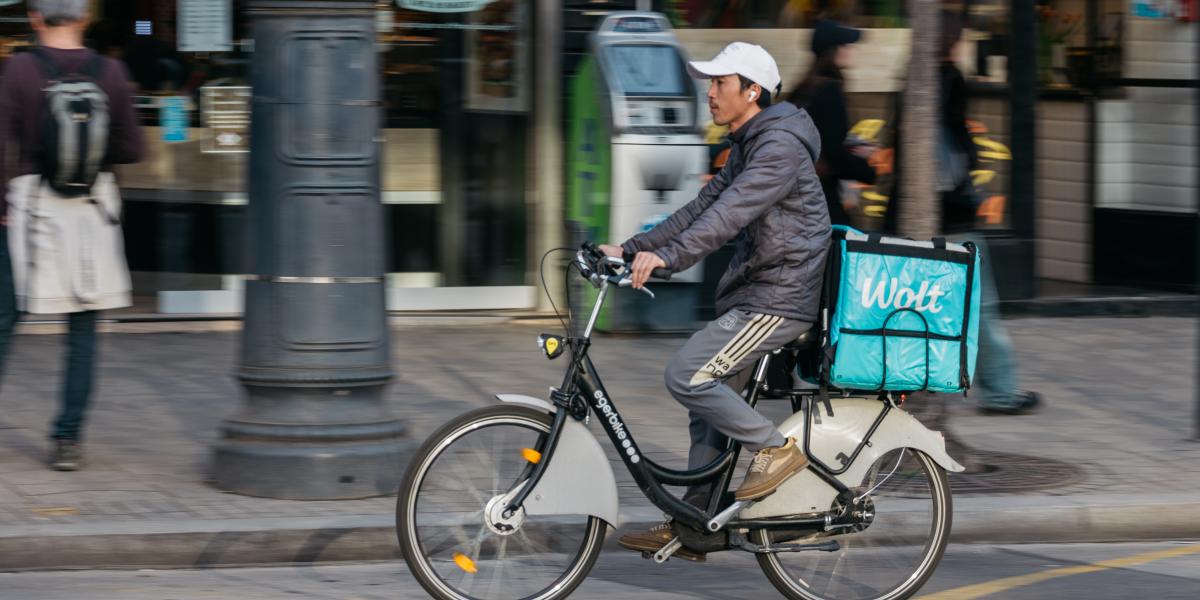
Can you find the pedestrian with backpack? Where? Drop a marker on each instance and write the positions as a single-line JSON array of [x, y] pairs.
[[67, 114]]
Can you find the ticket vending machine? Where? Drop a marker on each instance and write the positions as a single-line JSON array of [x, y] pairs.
[[635, 154]]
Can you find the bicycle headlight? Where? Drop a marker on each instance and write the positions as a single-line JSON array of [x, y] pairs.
[[552, 345]]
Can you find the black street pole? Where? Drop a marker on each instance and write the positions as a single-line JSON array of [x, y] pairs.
[[1022, 82], [1196, 247], [315, 350]]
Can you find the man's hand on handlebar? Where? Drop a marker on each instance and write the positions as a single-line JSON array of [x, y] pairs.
[[611, 250], [610, 263], [644, 264]]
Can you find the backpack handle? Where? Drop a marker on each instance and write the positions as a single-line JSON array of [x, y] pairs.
[[48, 65], [884, 338]]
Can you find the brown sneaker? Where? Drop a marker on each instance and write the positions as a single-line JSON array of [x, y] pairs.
[[770, 468], [654, 539]]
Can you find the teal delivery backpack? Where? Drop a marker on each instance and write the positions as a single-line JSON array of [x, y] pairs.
[[905, 314]]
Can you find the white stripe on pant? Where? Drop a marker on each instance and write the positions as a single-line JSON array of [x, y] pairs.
[[697, 378]]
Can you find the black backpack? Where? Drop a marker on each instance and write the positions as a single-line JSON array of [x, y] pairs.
[[74, 127]]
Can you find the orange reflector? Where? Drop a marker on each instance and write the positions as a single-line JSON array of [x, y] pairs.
[[465, 563], [531, 455]]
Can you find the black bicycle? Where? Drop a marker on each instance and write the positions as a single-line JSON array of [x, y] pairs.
[[513, 501]]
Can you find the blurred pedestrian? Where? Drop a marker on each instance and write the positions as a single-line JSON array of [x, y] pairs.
[[996, 383], [61, 212], [822, 93]]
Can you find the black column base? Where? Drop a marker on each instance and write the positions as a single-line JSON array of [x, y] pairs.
[[324, 442], [300, 471]]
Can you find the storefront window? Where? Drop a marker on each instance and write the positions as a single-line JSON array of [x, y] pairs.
[[1146, 131], [457, 91], [456, 88]]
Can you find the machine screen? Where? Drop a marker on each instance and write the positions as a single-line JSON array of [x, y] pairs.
[[648, 70]]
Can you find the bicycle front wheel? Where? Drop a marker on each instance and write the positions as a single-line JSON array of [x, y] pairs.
[[450, 522], [893, 556]]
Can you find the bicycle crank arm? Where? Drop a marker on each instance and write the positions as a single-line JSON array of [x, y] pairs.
[[830, 546], [722, 519], [665, 552]]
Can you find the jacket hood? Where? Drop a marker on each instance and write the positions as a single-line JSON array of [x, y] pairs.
[[783, 116]]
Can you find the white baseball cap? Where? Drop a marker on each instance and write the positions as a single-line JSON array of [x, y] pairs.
[[739, 58]]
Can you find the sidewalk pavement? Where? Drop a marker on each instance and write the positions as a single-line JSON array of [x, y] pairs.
[[1120, 396]]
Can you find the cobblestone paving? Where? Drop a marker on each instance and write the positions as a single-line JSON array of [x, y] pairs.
[[1119, 392]]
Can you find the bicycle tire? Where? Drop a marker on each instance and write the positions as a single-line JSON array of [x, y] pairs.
[[424, 567], [793, 585]]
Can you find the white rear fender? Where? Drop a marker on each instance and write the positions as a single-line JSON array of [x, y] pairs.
[[579, 479], [834, 439]]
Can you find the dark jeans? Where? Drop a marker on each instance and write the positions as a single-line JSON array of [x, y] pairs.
[[996, 377], [81, 350]]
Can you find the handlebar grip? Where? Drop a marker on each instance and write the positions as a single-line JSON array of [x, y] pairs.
[[664, 274]]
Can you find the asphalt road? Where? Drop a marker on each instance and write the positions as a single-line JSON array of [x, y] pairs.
[[1015, 572]]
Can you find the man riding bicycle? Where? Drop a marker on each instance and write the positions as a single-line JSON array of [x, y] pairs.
[[768, 196]]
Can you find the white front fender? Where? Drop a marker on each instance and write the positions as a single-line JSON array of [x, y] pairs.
[[840, 434], [578, 479]]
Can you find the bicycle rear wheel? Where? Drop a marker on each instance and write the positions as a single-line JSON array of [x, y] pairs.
[[889, 560], [449, 514]]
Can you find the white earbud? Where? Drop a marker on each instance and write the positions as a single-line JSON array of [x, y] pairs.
[[753, 95]]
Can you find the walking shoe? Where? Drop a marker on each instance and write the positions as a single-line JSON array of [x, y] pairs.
[[67, 456], [770, 468], [654, 539], [1027, 402]]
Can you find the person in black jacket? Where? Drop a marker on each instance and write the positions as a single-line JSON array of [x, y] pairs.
[[958, 204], [996, 378], [822, 93]]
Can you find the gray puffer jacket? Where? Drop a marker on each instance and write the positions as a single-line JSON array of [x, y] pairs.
[[769, 197]]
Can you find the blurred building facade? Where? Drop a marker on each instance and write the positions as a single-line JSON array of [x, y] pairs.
[[467, 85]]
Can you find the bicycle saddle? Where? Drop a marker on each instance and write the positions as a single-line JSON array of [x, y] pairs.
[[806, 340]]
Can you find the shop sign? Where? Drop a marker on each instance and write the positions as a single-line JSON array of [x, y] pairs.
[[443, 6], [1153, 9], [205, 26], [226, 111], [173, 117]]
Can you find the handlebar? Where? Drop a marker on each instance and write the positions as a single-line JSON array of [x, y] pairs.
[[658, 273], [597, 266]]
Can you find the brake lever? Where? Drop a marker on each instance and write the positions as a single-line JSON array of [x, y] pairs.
[[627, 282], [616, 261]]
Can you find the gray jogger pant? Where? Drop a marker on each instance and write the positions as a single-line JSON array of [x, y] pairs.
[[703, 377]]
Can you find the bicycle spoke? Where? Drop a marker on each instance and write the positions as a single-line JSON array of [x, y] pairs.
[[476, 494], [498, 572]]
